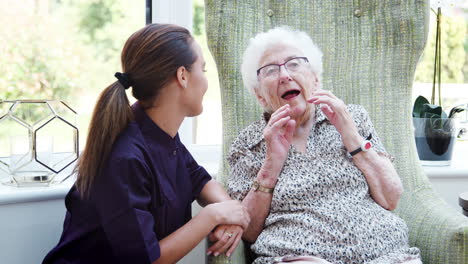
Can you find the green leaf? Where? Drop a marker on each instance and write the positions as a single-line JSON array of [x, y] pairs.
[[455, 110], [430, 115], [433, 109], [418, 106]]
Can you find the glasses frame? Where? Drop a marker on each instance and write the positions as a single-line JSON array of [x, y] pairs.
[[282, 64]]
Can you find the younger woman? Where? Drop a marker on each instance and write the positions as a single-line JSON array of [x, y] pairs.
[[136, 181]]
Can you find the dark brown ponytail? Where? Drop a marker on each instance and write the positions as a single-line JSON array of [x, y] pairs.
[[150, 59]]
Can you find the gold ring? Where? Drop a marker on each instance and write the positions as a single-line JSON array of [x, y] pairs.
[[229, 235]]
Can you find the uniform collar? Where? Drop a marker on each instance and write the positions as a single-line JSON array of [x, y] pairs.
[[151, 130]]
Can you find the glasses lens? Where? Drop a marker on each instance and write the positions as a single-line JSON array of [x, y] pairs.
[[294, 64], [269, 71]]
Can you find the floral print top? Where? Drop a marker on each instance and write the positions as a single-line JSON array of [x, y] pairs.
[[321, 205]]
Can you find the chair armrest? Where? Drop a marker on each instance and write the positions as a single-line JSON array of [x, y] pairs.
[[439, 231]]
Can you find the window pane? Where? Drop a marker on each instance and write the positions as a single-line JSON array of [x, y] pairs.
[[208, 125], [454, 62], [64, 49]]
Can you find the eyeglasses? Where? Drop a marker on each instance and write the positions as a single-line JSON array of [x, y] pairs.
[[272, 70]]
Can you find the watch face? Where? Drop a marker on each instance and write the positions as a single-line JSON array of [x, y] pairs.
[[368, 145]]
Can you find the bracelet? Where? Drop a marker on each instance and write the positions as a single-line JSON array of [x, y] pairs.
[[257, 187]]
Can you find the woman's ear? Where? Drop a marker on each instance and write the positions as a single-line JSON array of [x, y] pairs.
[[182, 76], [260, 98]]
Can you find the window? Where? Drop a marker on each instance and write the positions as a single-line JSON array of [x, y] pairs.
[[205, 129], [201, 134], [208, 125], [454, 60], [64, 49]]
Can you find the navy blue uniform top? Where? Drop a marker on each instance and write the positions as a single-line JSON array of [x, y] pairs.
[[143, 195]]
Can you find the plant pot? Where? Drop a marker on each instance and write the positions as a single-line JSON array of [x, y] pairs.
[[435, 138]]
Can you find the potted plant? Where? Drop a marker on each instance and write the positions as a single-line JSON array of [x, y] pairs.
[[435, 131]]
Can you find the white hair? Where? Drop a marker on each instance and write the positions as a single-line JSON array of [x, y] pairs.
[[282, 35]]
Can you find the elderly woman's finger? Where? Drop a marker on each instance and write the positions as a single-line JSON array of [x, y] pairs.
[[213, 249], [280, 113], [217, 233], [280, 109], [334, 104], [236, 232], [280, 123], [221, 246], [278, 116], [327, 110], [234, 245], [232, 238], [324, 92]]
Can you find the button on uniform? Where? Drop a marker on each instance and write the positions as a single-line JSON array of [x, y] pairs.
[[174, 152]]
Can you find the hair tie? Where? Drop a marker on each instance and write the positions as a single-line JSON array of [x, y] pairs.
[[124, 79]]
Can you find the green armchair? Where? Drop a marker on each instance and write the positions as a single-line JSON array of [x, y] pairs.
[[371, 48]]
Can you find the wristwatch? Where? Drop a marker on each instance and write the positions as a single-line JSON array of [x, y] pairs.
[[365, 146], [257, 187]]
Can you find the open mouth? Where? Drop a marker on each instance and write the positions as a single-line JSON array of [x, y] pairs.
[[290, 94]]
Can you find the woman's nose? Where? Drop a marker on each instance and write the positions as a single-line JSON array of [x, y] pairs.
[[284, 75]]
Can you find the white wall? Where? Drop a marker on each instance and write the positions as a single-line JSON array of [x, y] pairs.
[[29, 230]]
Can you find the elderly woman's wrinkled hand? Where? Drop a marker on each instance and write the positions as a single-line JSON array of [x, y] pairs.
[[334, 109], [278, 136], [226, 238], [338, 114]]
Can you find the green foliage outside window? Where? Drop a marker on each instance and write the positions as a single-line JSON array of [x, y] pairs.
[[454, 52], [198, 18], [64, 49]]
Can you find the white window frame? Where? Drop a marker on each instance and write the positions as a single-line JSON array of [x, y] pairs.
[[179, 12]]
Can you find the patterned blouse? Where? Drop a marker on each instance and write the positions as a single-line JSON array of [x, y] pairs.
[[321, 204]]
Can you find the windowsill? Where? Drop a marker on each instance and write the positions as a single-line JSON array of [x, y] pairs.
[[207, 156], [12, 194], [458, 167]]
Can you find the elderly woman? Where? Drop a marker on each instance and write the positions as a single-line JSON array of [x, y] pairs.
[[312, 172]]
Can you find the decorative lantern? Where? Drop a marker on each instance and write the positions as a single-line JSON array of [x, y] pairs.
[[38, 140]]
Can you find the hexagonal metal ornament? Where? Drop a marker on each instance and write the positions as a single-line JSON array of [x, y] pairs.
[[38, 140]]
